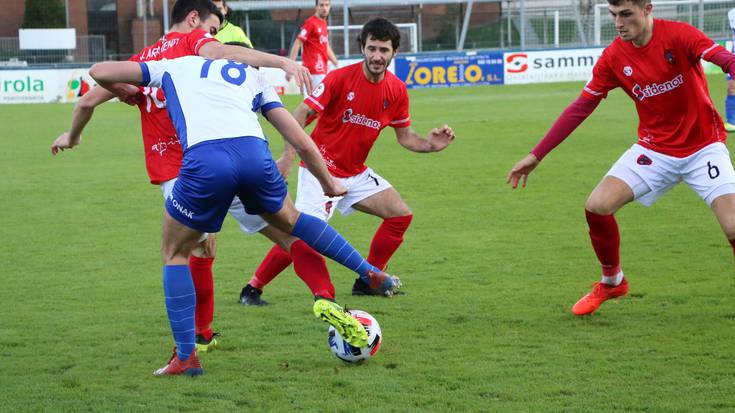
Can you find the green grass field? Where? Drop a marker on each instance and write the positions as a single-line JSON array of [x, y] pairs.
[[490, 276]]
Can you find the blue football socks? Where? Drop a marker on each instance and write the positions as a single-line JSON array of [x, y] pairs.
[[178, 288], [730, 109], [327, 241]]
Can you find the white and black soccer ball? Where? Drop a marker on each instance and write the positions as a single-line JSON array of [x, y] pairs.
[[351, 354]]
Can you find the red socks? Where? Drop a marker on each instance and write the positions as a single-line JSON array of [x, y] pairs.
[[605, 239], [310, 266], [201, 274], [273, 264], [732, 242], [387, 239]]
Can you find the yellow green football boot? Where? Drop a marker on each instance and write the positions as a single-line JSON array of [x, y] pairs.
[[347, 326]]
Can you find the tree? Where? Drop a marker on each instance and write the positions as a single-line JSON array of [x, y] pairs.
[[44, 14]]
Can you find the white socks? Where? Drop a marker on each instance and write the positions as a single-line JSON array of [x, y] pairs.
[[615, 280]]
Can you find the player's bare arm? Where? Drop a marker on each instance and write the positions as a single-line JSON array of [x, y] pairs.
[[84, 109], [521, 170], [106, 74], [293, 54], [306, 148], [573, 116], [82, 114], [216, 50], [332, 57], [437, 140], [302, 113]]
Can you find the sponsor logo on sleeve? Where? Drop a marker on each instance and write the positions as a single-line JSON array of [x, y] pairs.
[[318, 91]]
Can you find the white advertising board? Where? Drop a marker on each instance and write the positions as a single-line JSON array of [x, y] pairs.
[[47, 39], [550, 65], [42, 86]]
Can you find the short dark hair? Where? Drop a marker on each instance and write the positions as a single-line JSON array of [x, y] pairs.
[[639, 3], [380, 29], [205, 8]]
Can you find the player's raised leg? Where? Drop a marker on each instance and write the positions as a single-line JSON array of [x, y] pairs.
[[606, 199], [724, 209], [397, 216], [309, 265], [178, 241], [323, 238]]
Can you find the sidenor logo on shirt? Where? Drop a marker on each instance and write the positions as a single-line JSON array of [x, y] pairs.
[[655, 89]]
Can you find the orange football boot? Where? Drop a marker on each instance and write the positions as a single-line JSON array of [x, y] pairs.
[[600, 293], [190, 367]]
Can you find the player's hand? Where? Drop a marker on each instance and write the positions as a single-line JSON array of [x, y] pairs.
[[284, 167], [297, 72], [521, 170], [440, 138], [64, 141], [128, 94], [336, 189]]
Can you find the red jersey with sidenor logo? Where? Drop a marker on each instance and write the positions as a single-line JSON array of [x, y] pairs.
[[315, 37], [352, 112], [163, 152], [666, 81]]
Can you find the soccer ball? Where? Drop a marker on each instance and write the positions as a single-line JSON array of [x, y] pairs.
[[351, 354]]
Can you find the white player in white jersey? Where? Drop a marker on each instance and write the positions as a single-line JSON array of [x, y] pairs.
[[211, 104], [730, 99]]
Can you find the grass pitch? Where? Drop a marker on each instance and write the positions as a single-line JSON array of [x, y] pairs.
[[490, 276]]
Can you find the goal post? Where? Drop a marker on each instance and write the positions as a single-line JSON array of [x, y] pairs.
[[409, 38]]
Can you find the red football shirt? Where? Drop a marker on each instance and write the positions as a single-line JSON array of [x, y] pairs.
[[163, 152], [314, 37], [352, 112], [666, 81]]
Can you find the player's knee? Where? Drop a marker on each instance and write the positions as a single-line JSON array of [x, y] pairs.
[[209, 246], [729, 229], [173, 254], [597, 206], [398, 209]]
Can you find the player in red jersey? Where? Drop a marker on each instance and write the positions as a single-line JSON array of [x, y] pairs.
[[680, 135], [354, 104], [313, 40], [194, 22]]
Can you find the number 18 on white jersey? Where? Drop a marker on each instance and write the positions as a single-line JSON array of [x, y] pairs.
[[211, 99]]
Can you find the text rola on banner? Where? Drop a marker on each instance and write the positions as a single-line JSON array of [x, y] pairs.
[[43, 86], [449, 70], [550, 65]]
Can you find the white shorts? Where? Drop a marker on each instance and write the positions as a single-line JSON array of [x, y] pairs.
[[310, 196], [316, 80], [249, 224], [709, 172]]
